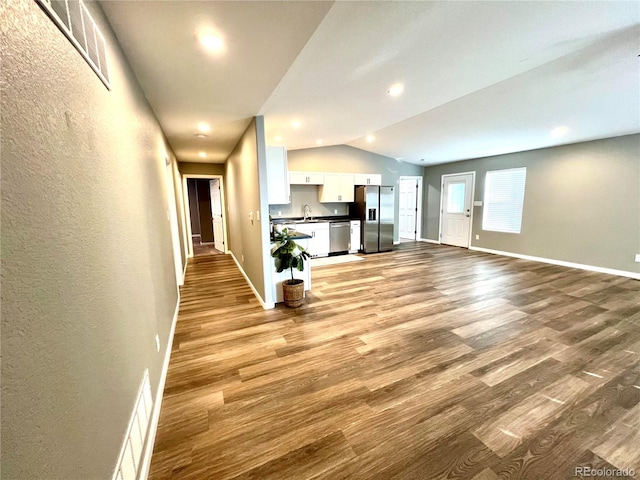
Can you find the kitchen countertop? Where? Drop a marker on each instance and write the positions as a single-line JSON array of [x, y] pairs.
[[312, 220], [296, 236]]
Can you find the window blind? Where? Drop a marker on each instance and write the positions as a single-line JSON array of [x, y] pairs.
[[503, 200]]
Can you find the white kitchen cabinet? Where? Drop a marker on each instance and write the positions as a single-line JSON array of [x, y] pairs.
[[278, 278], [354, 244], [306, 178], [337, 187], [319, 243], [278, 176], [368, 179]]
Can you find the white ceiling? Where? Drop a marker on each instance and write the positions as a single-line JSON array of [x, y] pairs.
[[480, 78]]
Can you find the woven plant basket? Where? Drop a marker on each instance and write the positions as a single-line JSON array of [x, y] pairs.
[[293, 292]]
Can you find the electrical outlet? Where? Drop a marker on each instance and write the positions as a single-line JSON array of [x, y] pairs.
[[242, 257], [477, 237], [279, 213], [258, 215], [335, 211], [158, 343], [638, 257]]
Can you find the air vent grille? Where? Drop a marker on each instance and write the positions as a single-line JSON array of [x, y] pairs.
[[74, 20]]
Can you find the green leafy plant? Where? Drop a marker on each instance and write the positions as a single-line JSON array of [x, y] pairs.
[[288, 254]]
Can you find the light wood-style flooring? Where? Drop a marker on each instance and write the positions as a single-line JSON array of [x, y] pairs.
[[427, 362]]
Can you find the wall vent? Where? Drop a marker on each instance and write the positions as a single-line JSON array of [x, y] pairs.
[[74, 20], [128, 465]]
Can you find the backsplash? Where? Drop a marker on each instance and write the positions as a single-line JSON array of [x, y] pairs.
[[302, 195]]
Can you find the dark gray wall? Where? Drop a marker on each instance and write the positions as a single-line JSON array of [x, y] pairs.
[[88, 277], [581, 204], [346, 159]]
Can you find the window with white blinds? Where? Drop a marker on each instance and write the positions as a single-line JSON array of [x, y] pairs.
[[74, 20], [503, 200]]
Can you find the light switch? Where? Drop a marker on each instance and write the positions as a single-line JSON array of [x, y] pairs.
[[477, 203], [258, 215]]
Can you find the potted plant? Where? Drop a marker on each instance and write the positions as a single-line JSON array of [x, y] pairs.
[[289, 255]]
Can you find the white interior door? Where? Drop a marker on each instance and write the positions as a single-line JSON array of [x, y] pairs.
[[216, 214], [456, 209], [408, 208]]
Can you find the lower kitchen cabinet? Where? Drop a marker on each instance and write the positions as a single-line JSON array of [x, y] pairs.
[[319, 243], [355, 236]]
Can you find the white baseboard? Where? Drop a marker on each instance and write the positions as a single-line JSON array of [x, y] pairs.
[[562, 263], [428, 240], [396, 243], [266, 306], [153, 426]]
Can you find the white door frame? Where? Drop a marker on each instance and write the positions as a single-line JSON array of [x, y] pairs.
[[419, 203], [172, 212], [473, 196], [185, 193]]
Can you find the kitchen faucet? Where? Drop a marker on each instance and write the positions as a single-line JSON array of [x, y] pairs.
[[307, 211]]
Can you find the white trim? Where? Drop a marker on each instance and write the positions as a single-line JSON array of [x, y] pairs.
[[428, 240], [473, 196], [562, 263], [153, 427], [397, 243], [266, 306]]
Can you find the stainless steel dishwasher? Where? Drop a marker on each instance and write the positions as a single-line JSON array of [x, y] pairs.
[[339, 236]]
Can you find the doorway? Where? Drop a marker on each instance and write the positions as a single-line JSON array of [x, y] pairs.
[[456, 210], [204, 206], [410, 208]]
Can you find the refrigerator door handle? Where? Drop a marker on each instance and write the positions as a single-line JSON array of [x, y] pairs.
[[372, 214]]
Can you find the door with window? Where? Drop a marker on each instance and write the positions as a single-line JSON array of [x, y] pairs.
[[216, 214], [457, 192]]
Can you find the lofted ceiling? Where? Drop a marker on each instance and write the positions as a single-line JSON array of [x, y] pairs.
[[480, 78]]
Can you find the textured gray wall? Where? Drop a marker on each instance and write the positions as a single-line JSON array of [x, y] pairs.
[[87, 266], [346, 159], [581, 204], [248, 240]]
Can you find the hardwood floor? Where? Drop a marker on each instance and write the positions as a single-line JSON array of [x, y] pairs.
[[422, 363]]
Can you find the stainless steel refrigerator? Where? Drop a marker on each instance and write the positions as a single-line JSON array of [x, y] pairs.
[[374, 207]]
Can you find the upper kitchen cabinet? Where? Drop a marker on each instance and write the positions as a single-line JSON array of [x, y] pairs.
[[278, 176], [368, 179], [337, 187], [306, 178]]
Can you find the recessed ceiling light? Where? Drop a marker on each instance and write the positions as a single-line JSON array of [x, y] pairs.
[[201, 135], [370, 138], [395, 89], [211, 42], [204, 127], [295, 124], [278, 138], [202, 154], [559, 131], [319, 141]]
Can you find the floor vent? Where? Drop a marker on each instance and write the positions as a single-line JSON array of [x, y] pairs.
[[128, 464], [74, 20]]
